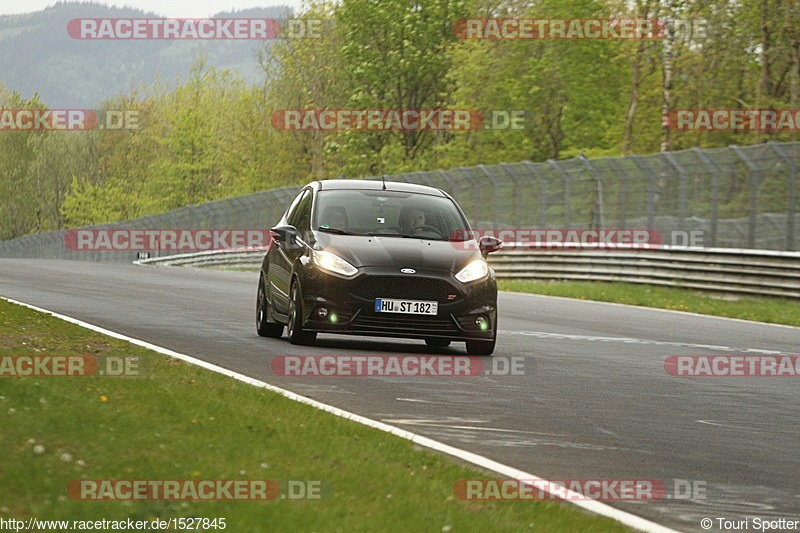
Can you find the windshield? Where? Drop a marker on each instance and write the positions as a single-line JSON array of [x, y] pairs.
[[388, 213]]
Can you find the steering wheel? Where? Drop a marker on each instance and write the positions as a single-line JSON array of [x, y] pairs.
[[425, 227]]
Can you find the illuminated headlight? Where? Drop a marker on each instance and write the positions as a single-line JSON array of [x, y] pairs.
[[478, 269], [333, 263]]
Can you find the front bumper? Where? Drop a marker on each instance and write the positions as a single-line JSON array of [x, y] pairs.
[[350, 304]]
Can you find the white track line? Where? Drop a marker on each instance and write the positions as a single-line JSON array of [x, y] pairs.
[[478, 460]]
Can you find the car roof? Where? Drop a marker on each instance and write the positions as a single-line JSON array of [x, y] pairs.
[[376, 185]]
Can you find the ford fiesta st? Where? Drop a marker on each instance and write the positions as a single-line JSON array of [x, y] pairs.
[[381, 259]]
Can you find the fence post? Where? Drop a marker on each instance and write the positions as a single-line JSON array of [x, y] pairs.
[[683, 184], [714, 191], [650, 189], [496, 187], [598, 221], [790, 211], [567, 192], [542, 194], [466, 174], [450, 183], [751, 230], [518, 207], [419, 175], [623, 189]]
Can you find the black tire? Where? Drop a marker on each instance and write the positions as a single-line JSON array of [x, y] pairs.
[[264, 325], [438, 343], [294, 328]]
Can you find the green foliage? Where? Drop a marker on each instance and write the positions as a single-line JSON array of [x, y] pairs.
[[395, 54]]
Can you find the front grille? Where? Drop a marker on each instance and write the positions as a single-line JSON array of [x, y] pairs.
[[416, 323], [406, 287]]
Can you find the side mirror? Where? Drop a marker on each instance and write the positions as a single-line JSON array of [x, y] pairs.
[[489, 244], [284, 234]]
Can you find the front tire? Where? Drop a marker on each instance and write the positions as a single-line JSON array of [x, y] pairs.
[[294, 328], [264, 326]]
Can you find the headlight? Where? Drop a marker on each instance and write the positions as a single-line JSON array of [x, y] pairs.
[[333, 263], [476, 270]]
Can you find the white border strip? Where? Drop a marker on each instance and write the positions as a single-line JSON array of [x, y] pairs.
[[484, 462]]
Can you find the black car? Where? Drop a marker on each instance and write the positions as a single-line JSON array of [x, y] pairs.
[[382, 259]]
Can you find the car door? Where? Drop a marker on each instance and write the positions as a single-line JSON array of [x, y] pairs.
[[284, 254]]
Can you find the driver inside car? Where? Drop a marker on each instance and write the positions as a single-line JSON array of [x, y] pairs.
[[412, 218], [335, 217]]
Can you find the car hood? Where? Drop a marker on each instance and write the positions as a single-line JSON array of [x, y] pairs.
[[398, 252]]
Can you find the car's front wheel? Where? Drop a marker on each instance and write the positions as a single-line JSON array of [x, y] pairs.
[[264, 326], [294, 328]]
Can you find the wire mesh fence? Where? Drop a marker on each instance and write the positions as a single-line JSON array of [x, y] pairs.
[[735, 197]]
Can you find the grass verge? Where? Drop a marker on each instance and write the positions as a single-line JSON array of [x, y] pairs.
[[182, 422], [774, 310]]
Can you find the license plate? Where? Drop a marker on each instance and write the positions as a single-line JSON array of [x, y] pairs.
[[409, 307]]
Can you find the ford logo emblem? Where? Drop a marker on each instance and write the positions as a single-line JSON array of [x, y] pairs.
[[408, 271]]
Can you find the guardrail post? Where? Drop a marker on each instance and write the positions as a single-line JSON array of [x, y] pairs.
[[792, 206], [751, 230]]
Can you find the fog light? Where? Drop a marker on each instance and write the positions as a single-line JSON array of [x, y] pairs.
[[482, 323], [322, 312], [334, 318]]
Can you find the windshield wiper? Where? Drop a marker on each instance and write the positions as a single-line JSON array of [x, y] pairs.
[[335, 230], [403, 236], [386, 234]]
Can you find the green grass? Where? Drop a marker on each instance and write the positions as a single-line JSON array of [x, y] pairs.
[[182, 422], [775, 310]]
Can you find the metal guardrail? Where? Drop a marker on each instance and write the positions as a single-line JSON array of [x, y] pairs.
[[744, 272], [211, 258]]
